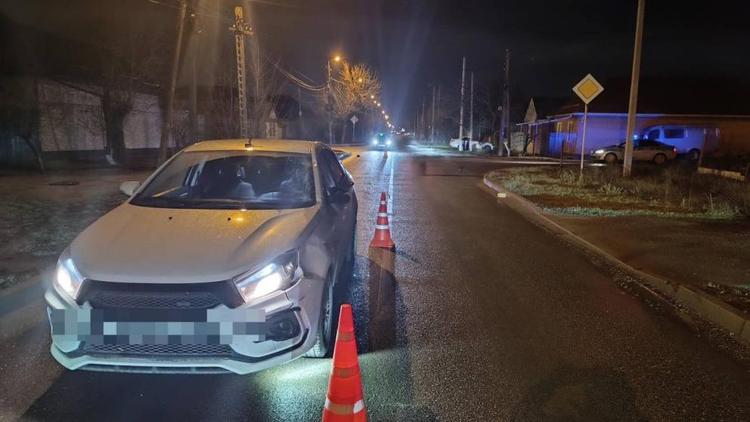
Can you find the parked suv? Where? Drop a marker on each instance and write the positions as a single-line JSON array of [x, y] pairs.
[[227, 258], [643, 150], [687, 140]]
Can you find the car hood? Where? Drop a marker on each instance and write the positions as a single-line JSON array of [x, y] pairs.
[[161, 245]]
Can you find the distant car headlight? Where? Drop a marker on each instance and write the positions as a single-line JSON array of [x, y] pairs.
[[374, 141], [388, 142], [67, 278], [599, 151], [280, 274]]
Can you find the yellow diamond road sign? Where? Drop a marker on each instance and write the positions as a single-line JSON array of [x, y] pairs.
[[588, 89]]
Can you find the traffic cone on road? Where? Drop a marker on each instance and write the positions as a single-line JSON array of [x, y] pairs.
[[382, 238], [345, 402]]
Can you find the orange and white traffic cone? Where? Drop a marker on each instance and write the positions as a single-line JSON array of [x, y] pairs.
[[382, 238], [345, 401]]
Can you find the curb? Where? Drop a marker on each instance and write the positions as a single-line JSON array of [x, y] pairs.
[[710, 308]]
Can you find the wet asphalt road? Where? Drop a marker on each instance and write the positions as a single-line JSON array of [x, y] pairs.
[[489, 318]]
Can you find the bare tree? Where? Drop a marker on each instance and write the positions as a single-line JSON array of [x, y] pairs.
[[352, 91]]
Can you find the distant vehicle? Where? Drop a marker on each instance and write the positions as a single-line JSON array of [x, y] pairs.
[[643, 150], [227, 258], [382, 141], [465, 142], [687, 139]]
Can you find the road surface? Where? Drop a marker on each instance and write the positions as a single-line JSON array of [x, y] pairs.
[[490, 318]]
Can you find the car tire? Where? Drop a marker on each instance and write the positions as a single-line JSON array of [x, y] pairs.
[[660, 159], [610, 158], [694, 154], [487, 149], [326, 332]]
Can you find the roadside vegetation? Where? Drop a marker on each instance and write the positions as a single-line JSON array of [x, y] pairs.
[[671, 191]]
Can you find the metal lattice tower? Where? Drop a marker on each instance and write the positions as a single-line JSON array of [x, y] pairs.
[[241, 29]]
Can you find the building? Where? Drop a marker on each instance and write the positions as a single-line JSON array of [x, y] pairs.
[[714, 111]]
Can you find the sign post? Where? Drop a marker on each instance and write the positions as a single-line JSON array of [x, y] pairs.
[[588, 89], [354, 121]]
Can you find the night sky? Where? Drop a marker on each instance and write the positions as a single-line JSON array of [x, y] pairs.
[[413, 44]]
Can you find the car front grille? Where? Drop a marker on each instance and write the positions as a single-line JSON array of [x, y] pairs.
[[154, 300], [197, 296], [190, 350]]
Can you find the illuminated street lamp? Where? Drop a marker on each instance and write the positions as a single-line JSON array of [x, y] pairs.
[[382, 111], [372, 97]]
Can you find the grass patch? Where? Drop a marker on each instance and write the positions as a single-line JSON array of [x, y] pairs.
[[671, 191]]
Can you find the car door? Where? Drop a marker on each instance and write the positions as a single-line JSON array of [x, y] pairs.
[[647, 149], [339, 204]]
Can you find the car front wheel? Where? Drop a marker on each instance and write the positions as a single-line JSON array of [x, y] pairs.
[[610, 158], [325, 333], [660, 159]]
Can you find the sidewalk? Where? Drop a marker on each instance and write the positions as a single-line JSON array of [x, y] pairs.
[[712, 256], [43, 213], [700, 264]]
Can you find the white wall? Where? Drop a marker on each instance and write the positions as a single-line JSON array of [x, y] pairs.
[[70, 119], [142, 126]]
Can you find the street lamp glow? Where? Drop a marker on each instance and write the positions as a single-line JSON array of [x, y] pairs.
[[337, 58], [382, 111], [372, 97], [386, 117], [360, 80]]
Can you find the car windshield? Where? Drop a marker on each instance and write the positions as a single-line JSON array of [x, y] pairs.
[[232, 180]]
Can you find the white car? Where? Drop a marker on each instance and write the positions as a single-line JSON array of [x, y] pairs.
[[472, 145], [227, 258]]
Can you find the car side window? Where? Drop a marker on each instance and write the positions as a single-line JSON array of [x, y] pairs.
[[676, 133], [653, 134], [328, 179], [338, 176]]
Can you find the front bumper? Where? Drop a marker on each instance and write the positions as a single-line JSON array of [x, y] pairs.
[[226, 340]]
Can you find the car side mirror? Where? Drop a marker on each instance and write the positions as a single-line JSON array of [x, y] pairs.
[[129, 188]]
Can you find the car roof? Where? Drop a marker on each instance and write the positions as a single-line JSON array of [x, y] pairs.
[[275, 145]]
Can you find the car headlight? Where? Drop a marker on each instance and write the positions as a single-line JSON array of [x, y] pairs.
[[599, 151], [280, 274], [67, 278], [388, 142], [374, 141]]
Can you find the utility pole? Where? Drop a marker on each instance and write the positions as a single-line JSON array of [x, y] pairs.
[[299, 112], [438, 104], [471, 108], [432, 120], [241, 29], [461, 112], [424, 121], [166, 127], [504, 138], [194, 80], [329, 104], [634, 79]]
